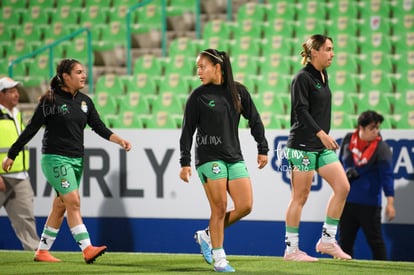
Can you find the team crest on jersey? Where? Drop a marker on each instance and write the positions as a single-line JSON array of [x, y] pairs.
[[305, 161], [84, 106], [215, 168], [64, 183]]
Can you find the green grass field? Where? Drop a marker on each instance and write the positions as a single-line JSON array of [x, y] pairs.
[[21, 262]]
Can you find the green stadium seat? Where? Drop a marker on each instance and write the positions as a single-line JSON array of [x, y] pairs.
[[118, 13], [161, 120], [406, 120], [249, 27], [344, 42], [375, 41], [217, 28], [343, 81], [307, 26], [251, 10], [67, 15], [270, 120], [37, 15], [78, 49], [403, 41], [342, 25], [180, 63], [135, 101], [374, 100], [277, 36], [269, 101], [342, 120], [31, 33], [376, 60], [215, 42], [168, 102], [39, 67], [149, 16], [279, 9], [94, 16], [148, 63], [245, 45], [244, 63], [342, 101], [177, 85], [142, 84], [312, 8], [347, 8], [74, 3], [127, 119], [105, 103], [182, 45], [346, 61], [111, 84], [11, 14], [275, 62]]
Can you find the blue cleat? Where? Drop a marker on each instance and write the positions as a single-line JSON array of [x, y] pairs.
[[203, 239]]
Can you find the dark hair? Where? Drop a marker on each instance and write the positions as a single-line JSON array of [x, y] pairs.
[[65, 66], [313, 42], [368, 117], [222, 58]]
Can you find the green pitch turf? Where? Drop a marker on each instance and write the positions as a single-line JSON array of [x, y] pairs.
[[21, 262]]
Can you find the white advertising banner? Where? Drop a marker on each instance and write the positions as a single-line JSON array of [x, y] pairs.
[[144, 182]]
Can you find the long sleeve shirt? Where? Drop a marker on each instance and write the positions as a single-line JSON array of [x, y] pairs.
[[210, 111], [65, 120], [310, 109], [374, 177]]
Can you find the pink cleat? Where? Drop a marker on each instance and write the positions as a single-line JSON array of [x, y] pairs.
[[299, 256], [332, 249]]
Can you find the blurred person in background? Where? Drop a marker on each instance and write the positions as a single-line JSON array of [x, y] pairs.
[[16, 192], [367, 160]]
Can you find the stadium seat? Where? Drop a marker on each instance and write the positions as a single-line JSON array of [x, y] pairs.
[[276, 44], [275, 62], [110, 50], [180, 63], [345, 61], [38, 15], [312, 8], [215, 42], [94, 16], [306, 26], [376, 60], [251, 10], [276, 83], [181, 15], [161, 120], [342, 120], [343, 81], [31, 33], [245, 45], [134, 101], [118, 13], [269, 101], [78, 49], [347, 8], [341, 25], [127, 119], [375, 41], [278, 9], [39, 67], [11, 14], [149, 64], [105, 103], [68, 16], [177, 85], [344, 42], [168, 102], [406, 120], [244, 63], [374, 100], [182, 45], [249, 27], [270, 121], [217, 28], [403, 41], [143, 84], [110, 84], [342, 101], [213, 7]]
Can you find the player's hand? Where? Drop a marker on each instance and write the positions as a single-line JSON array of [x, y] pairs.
[[261, 161], [329, 142], [185, 173], [7, 164], [126, 145]]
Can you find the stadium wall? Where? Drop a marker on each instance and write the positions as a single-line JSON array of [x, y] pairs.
[[135, 202]]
